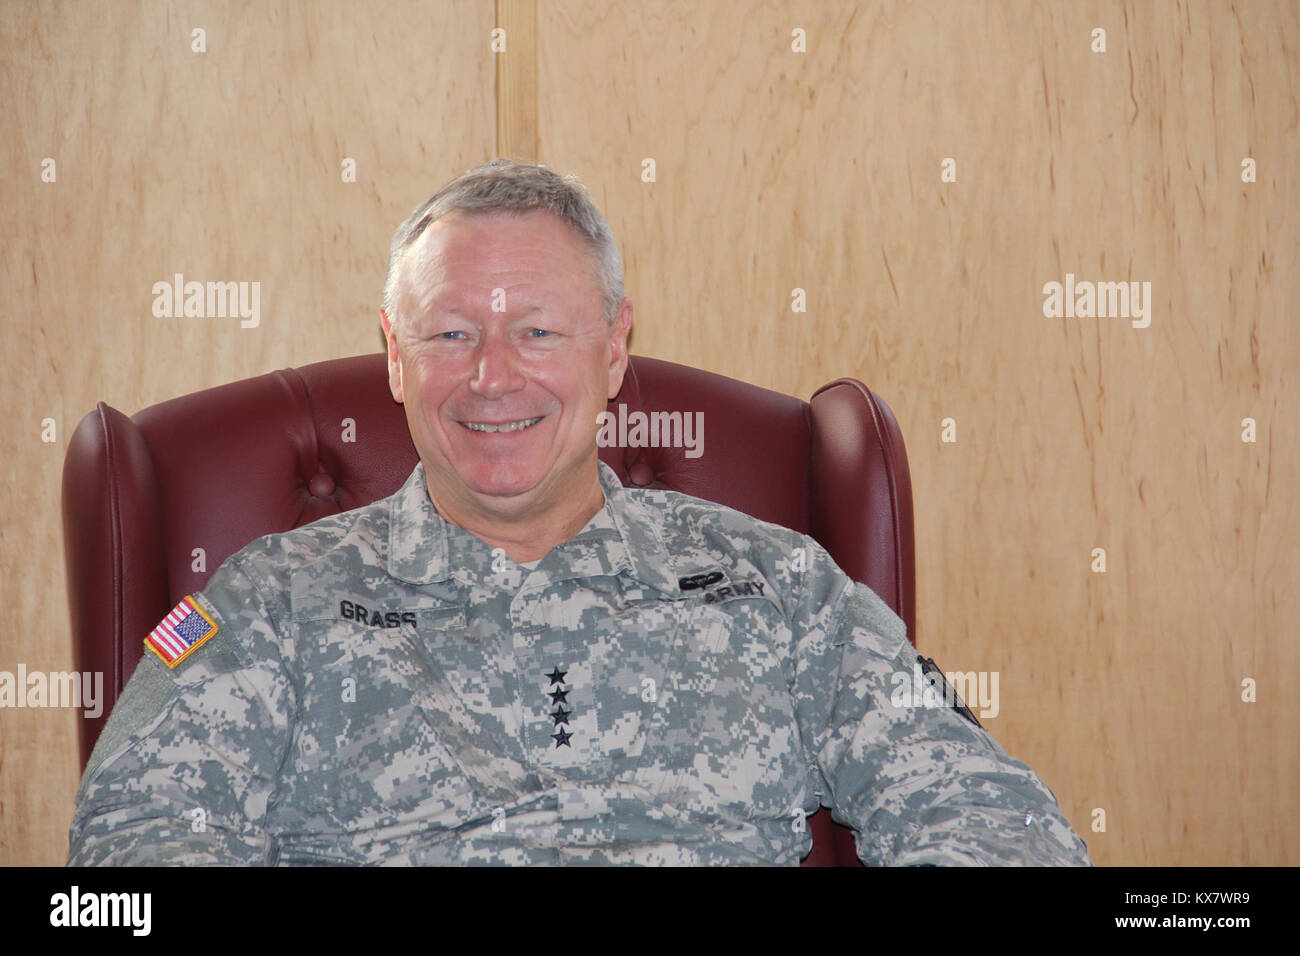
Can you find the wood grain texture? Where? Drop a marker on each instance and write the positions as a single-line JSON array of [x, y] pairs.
[[775, 170], [778, 170], [516, 98], [223, 166]]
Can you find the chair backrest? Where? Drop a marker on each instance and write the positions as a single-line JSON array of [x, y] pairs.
[[154, 503]]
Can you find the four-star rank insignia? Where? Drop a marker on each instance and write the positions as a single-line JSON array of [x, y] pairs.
[[559, 716]]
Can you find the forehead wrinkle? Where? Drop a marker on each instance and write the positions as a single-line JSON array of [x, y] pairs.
[[423, 276]]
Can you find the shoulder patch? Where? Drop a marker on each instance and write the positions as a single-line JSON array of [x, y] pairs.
[[181, 632], [946, 692]]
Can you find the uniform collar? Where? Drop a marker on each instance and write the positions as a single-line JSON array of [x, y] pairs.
[[637, 525], [623, 535], [417, 534]]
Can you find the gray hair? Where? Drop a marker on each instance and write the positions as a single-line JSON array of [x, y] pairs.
[[503, 185]]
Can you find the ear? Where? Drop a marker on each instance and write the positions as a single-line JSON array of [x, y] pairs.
[[618, 335], [394, 361]]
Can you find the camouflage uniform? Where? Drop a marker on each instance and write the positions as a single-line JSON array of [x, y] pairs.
[[672, 685]]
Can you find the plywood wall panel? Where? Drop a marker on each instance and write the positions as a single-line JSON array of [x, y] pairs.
[[224, 165], [821, 171]]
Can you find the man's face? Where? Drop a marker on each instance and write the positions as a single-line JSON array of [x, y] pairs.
[[503, 359]]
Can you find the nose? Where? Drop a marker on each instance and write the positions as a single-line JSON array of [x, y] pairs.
[[496, 368]]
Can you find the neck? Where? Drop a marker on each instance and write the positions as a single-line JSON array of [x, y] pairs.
[[531, 534]]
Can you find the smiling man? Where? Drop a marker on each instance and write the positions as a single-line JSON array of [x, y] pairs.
[[503, 362], [514, 659]]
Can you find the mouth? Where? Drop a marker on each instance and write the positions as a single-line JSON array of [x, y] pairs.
[[489, 427]]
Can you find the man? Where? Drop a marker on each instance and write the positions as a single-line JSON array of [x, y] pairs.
[[516, 660]]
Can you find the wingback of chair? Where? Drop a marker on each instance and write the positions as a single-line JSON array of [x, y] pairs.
[[154, 503]]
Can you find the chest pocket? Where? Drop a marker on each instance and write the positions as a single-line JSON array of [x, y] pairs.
[[466, 694], [368, 747], [725, 739]]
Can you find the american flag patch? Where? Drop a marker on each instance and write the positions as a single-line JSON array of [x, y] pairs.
[[181, 632]]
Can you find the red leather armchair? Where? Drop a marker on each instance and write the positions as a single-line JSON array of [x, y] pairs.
[[216, 469]]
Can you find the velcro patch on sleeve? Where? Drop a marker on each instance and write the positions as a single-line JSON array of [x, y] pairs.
[[181, 632]]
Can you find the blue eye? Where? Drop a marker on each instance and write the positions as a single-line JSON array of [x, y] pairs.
[[444, 335], [539, 333]]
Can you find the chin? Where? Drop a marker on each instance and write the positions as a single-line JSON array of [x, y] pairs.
[[503, 481]]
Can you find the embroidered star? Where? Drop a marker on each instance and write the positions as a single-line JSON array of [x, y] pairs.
[[561, 716], [562, 740], [559, 695], [557, 676]]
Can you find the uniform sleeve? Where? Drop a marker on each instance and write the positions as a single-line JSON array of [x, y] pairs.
[[187, 764], [919, 784]]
